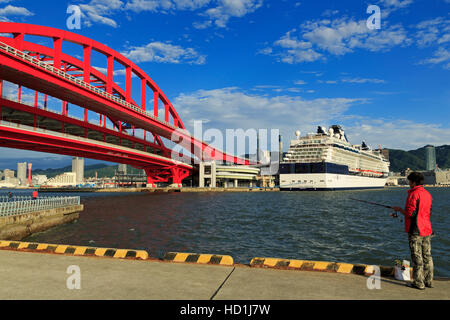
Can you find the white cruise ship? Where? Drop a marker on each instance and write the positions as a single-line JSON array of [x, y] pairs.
[[327, 161]]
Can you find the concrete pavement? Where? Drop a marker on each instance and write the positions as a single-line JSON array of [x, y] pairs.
[[25, 275]]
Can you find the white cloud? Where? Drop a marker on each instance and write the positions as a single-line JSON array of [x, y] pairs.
[[96, 11], [218, 12], [398, 134], [227, 9], [362, 80], [233, 108], [397, 3], [293, 50], [10, 10], [342, 35], [202, 25], [164, 53], [352, 80], [337, 37], [441, 55], [435, 33], [165, 5], [390, 6]]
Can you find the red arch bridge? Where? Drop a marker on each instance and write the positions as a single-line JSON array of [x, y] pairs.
[[33, 58]]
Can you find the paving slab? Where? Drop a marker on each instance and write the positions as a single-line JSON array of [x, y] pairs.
[[35, 276], [270, 284], [38, 276]]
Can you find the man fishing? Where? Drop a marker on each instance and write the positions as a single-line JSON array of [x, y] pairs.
[[418, 226]]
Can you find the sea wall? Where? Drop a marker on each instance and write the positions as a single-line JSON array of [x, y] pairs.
[[156, 190], [20, 226]]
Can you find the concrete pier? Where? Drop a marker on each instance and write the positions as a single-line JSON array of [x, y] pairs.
[[17, 227], [108, 278]]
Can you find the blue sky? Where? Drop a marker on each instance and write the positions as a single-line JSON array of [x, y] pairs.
[[288, 65]]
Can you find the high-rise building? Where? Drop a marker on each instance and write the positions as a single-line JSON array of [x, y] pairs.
[[22, 173], [8, 173], [122, 168], [78, 168], [430, 158], [280, 158]]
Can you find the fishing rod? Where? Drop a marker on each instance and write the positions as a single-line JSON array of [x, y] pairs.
[[394, 215], [373, 203]]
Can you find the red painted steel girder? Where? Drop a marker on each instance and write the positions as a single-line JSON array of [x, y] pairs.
[[43, 81], [19, 30], [21, 137]]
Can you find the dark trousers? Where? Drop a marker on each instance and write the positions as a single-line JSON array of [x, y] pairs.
[[421, 259]]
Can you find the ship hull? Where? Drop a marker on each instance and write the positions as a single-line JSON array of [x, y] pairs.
[[329, 182]]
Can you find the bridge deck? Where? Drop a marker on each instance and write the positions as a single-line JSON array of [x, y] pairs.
[[25, 137]]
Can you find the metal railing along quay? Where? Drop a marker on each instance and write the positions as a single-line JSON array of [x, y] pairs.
[[21, 205]]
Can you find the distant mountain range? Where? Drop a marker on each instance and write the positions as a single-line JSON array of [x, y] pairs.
[[416, 159], [103, 170], [400, 160]]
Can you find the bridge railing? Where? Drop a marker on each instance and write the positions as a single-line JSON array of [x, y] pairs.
[[91, 121], [26, 204], [48, 67]]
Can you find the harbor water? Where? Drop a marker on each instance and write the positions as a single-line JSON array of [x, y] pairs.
[[320, 226]]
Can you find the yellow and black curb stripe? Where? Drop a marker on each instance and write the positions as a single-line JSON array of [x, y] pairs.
[[74, 250], [360, 269], [224, 260], [199, 258]]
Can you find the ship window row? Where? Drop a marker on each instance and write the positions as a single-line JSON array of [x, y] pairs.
[[320, 167]]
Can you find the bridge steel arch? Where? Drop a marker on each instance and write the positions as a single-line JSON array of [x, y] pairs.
[[21, 73]]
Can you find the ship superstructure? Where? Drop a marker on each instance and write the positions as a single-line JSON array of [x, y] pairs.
[[327, 160]]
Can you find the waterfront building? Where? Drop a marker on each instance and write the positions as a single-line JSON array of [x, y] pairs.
[[430, 158], [67, 179], [213, 175], [78, 169], [22, 173], [122, 168], [8, 174], [39, 179], [9, 179], [438, 177]]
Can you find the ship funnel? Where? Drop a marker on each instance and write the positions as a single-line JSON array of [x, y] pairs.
[[321, 130], [364, 146]]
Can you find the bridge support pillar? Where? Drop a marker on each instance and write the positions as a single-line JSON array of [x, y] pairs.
[[150, 182], [178, 175]]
